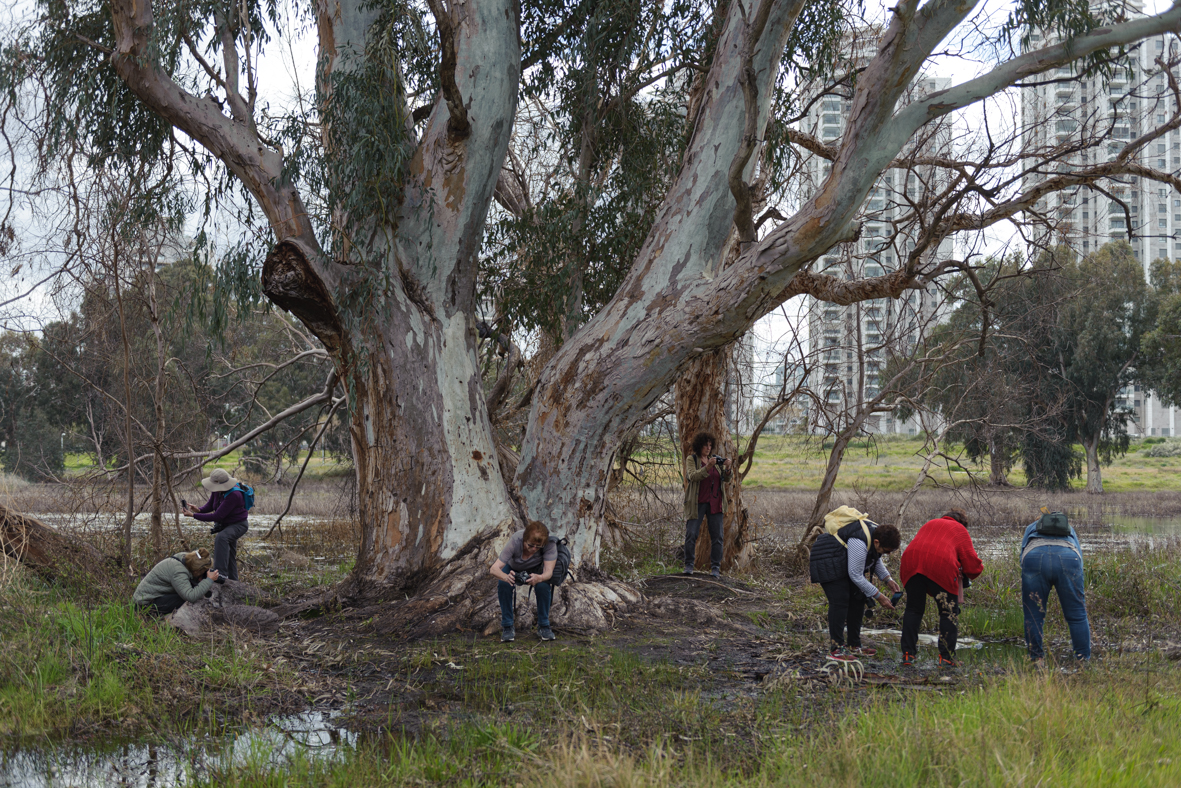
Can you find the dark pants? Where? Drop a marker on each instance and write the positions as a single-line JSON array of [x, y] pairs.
[[225, 549], [1054, 566], [693, 527], [165, 604], [917, 590], [846, 608], [545, 597]]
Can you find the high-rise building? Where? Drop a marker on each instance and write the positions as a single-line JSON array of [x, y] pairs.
[[1071, 120], [850, 345]]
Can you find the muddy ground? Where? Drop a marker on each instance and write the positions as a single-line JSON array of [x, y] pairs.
[[703, 628]]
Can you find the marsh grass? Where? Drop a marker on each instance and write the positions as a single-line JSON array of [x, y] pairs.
[[75, 664], [1111, 725]]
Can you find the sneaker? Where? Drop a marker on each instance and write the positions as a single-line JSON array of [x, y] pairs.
[[842, 654], [507, 634], [715, 572], [864, 651], [907, 659], [545, 633], [687, 570], [944, 662]]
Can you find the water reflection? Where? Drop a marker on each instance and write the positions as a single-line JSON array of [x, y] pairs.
[[311, 735]]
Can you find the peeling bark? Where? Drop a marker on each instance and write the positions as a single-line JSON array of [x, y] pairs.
[[701, 405]]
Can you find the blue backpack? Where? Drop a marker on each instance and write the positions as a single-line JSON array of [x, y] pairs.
[[247, 494]]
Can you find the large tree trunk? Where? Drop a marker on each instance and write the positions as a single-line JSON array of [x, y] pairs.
[[701, 405], [1094, 474], [603, 379]]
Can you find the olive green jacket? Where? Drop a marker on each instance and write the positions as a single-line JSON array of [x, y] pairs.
[[695, 473], [168, 577]]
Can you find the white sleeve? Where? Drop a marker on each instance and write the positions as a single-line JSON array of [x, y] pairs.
[[857, 552], [880, 570]]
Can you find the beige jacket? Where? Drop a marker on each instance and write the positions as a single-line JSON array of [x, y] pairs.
[[695, 473]]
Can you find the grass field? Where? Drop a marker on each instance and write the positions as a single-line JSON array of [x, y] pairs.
[[790, 462], [795, 462]]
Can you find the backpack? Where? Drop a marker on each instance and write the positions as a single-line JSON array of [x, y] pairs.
[[838, 518], [562, 564], [1053, 524], [247, 494]]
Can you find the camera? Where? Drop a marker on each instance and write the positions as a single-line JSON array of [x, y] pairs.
[[184, 504], [719, 459], [522, 578]]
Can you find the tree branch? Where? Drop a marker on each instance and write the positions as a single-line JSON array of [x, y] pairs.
[[458, 126]]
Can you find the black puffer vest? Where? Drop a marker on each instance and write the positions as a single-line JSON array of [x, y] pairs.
[[830, 558]]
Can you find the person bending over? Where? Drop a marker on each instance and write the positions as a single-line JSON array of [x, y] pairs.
[[527, 559], [180, 578], [1050, 560], [935, 564], [226, 509], [705, 499], [839, 562]]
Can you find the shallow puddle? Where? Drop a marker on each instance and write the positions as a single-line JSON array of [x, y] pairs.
[[312, 735]]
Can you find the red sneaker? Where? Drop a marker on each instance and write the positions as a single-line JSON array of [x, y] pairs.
[[944, 662], [864, 651], [842, 654]]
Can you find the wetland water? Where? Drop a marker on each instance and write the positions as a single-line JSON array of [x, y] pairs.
[[310, 735]]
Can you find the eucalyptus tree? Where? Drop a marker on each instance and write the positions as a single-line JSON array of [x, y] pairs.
[[378, 200], [1105, 319], [1160, 365]]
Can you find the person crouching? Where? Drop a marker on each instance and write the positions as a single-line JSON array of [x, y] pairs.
[[527, 559], [180, 578], [839, 562]]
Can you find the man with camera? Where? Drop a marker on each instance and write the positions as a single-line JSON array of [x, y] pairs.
[[527, 560], [705, 499]]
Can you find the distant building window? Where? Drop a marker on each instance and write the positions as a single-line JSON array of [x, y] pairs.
[[1164, 431]]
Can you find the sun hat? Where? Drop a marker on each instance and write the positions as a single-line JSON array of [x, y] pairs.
[[218, 481], [198, 562]]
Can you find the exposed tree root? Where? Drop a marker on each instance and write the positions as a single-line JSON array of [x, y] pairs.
[[52, 555], [233, 603]]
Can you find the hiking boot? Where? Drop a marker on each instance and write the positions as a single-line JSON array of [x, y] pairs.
[[864, 651], [507, 634], [715, 573], [842, 654], [944, 662], [687, 570], [907, 659], [545, 633]]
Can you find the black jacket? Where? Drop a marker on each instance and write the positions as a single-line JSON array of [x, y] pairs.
[[830, 559]]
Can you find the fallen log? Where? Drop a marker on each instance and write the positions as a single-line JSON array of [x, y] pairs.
[[52, 555]]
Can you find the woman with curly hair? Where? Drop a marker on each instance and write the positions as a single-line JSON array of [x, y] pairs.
[[705, 499]]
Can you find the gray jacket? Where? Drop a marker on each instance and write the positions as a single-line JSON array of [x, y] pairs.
[[168, 577]]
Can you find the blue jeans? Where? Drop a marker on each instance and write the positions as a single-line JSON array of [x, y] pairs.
[[545, 597], [1059, 567], [693, 528]]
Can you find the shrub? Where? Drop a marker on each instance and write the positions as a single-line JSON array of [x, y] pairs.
[[1163, 448]]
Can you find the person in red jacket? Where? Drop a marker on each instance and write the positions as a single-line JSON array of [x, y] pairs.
[[934, 564]]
